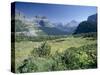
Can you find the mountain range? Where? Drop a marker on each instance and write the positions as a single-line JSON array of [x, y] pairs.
[[90, 25], [41, 25]]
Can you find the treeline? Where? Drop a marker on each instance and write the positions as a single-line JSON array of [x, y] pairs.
[[22, 37], [83, 57], [86, 35], [38, 38]]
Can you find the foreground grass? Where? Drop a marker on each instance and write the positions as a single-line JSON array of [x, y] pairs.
[[24, 48]]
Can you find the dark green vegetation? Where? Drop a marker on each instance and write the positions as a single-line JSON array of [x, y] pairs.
[[87, 26], [41, 58], [21, 37]]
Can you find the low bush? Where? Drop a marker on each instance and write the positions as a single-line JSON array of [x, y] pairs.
[[43, 50], [83, 57], [28, 65]]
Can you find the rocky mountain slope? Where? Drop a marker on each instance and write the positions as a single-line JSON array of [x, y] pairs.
[[88, 26]]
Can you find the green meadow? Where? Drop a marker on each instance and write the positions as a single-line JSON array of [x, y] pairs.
[[66, 53]]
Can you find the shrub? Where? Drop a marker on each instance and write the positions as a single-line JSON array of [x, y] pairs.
[[57, 65], [43, 50], [82, 57], [28, 65]]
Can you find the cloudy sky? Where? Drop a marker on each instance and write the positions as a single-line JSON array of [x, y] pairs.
[[56, 13]]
